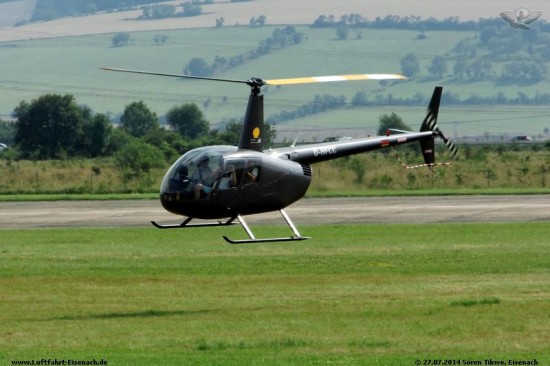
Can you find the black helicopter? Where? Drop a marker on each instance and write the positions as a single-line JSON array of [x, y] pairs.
[[229, 182]]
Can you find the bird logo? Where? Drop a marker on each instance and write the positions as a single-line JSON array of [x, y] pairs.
[[520, 18]]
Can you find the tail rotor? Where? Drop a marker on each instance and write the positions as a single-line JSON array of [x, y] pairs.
[[430, 124], [427, 143], [453, 151]]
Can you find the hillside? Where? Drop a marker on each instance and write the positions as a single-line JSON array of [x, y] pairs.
[[277, 12], [71, 65], [14, 12]]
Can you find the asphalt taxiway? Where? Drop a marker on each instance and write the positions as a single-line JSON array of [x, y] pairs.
[[308, 211]]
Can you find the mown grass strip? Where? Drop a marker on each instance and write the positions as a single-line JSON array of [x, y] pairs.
[[354, 294]]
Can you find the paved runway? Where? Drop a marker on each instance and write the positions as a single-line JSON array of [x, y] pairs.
[[308, 211]]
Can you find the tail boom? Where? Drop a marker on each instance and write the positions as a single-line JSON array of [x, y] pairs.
[[310, 154]]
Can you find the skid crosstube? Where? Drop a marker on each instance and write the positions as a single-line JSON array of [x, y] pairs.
[[185, 224], [253, 240]]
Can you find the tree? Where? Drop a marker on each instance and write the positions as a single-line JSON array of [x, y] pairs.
[[160, 38], [410, 65], [258, 22], [191, 10], [198, 67], [523, 72], [50, 126], [121, 39], [96, 135], [138, 156], [162, 11], [391, 121], [7, 132], [459, 68], [479, 69], [438, 68], [188, 120], [138, 120], [232, 134], [342, 31]]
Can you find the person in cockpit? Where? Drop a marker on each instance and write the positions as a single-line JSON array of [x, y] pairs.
[[204, 177], [229, 178], [251, 173]]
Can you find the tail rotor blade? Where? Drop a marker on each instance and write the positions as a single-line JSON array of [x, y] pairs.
[[453, 150]]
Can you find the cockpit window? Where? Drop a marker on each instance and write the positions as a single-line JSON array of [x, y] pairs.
[[232, 173], [194, 175]]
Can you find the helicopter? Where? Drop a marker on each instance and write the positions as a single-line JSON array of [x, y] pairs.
[[225, 182]]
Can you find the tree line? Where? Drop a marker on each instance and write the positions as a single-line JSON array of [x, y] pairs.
[[50, 9], [56, 127], [162, 11], [514, 72], [280, 38], [452, 23]]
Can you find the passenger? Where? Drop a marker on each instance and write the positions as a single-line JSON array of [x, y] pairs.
[[251, 172], [204, 176], [229, 179]]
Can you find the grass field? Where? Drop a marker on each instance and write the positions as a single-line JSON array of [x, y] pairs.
[[478, 169], [352, 295]]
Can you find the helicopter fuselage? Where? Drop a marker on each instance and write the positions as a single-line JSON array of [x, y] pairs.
[[261, 183]]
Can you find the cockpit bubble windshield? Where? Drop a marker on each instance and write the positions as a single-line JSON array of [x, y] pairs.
[[195, 173]]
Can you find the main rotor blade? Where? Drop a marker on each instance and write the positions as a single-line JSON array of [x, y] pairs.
[[175, 75], [325, 79], [256, 82]]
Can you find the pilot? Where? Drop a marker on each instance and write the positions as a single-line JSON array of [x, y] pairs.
[[204, 176], [180, 181]]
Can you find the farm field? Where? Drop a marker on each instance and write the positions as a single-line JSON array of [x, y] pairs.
[[277, 12], [354, 295], [72, 65]]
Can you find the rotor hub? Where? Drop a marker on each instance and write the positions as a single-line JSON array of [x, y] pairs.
[[256, 84]]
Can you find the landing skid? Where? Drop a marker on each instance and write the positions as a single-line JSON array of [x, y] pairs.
[[269, 240], [185, 224], [253, 240]]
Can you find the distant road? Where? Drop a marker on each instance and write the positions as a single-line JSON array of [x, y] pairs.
[[309, 211]]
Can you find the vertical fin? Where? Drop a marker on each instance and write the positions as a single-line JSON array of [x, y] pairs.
[[430, 121], [253, 124], [430, 124]]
